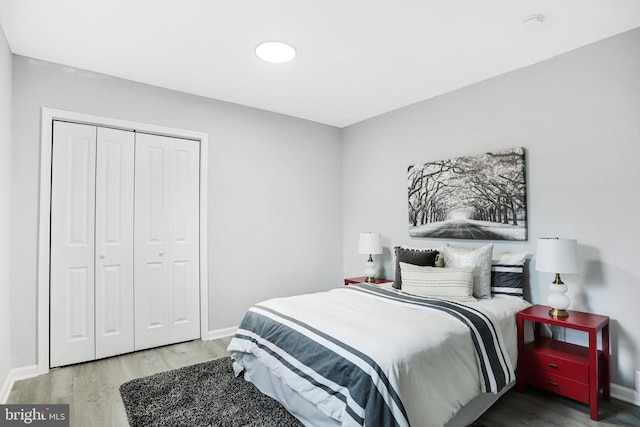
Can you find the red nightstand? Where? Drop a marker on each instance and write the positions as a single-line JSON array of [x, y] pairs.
[[353, 280], [571, 370]]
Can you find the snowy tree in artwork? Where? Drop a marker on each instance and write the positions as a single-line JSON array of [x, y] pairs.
[[475, 197]]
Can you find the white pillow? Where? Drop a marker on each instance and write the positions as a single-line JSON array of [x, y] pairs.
[[480, 258], [510, 259], [450, 283]]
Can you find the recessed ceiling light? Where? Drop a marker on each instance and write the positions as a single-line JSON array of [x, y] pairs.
[[275, 52]]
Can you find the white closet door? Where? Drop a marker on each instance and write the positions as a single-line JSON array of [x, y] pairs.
[[166, 240], [72, 244], [114, 242]]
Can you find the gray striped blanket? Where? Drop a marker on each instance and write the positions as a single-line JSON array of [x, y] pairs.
[[342, 367]]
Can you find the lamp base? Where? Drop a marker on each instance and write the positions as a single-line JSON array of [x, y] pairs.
[[558, 300], [555, 312], [370, 271]]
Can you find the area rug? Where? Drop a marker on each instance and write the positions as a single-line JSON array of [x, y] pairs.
[[206, 394]]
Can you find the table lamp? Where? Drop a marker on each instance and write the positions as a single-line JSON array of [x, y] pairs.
[[370, 244], [556, 255]]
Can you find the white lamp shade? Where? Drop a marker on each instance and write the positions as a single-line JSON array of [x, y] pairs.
[[369, 244], [556, 255]]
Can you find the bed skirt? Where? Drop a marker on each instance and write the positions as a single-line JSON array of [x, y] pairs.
[[311, 416]]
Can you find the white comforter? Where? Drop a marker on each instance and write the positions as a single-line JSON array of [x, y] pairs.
[[428, 356]]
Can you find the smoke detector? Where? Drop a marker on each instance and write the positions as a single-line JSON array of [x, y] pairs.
[[533, 22]]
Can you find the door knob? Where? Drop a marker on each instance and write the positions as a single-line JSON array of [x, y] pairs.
[[103, 255], [161, 253]]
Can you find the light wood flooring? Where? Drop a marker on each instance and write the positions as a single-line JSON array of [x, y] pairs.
[[538, 408], [91, 389]]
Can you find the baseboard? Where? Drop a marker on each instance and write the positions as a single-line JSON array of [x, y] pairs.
[[625, 394], [14, 375], [222, 333]]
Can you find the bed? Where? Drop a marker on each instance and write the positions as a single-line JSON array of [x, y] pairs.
[[367, 354]]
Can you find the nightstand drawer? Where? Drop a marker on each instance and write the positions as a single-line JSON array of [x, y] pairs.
[[558, 358], [541, 362], [561, 385]]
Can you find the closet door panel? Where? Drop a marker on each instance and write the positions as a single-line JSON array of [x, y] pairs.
[[72, 312], [114, 242], [184, 169], [151, 269], [166, 240]]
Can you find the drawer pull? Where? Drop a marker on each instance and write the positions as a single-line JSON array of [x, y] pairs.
[[553, 384], [552, 365]]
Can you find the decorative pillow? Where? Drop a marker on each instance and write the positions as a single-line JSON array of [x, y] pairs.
[[451, 283], [439, 261], [422, 257], [507, 274], [480, 258]]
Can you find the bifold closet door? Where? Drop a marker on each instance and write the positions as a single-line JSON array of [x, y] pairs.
[[166, 240], [72, 327], [91, 288], [114, 242]]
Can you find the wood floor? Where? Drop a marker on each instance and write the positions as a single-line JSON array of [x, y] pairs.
[[538, 408], [91, 389]]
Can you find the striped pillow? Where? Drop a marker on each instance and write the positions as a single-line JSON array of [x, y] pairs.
[[507, 274], [451, 283]]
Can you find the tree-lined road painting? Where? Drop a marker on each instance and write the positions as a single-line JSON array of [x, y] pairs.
[[476, 197]]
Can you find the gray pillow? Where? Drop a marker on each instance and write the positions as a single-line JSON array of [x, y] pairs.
[[421, 257]]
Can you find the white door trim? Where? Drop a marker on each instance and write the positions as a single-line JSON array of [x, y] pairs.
[[44, 211]]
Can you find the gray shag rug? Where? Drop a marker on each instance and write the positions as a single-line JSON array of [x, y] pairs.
[[206, 394]]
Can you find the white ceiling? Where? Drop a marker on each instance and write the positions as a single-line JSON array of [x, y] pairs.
[[356, 58]]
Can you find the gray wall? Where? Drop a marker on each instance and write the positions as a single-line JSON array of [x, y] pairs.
[[276, 181], [578, 116], [274, 190], [5, 201]]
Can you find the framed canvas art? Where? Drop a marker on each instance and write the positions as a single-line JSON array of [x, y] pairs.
[[473, 197]]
